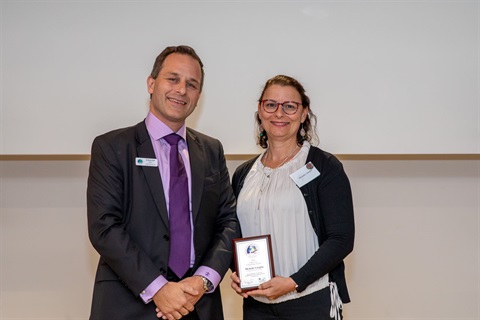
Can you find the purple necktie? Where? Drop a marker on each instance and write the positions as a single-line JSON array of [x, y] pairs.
[[179, 213]]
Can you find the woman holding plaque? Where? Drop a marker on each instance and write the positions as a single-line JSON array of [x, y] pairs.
[[300, 196]]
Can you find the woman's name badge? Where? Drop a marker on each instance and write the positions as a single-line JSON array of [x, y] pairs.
[[305, 174], [146, 162]]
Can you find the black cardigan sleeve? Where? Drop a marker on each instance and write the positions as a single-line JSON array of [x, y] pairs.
[[330, 207]]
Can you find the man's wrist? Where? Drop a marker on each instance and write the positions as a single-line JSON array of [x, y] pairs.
[[207, 284], [152, 289], [210, 274]]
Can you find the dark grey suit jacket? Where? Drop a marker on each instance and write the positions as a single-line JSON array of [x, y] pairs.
[[128, 220]]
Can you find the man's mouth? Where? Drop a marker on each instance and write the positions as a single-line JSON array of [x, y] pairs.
[[177, 101]]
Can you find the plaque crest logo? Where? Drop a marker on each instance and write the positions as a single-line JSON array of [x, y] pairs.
[[251, 250]]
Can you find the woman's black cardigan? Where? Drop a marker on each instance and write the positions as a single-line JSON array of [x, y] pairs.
[[330, 207]]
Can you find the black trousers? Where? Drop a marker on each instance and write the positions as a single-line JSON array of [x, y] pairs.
[[315, 306]]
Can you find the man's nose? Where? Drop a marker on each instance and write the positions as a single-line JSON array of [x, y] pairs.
[[181, 87]]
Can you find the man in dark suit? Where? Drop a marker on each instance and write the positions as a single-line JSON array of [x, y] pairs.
[[130, 206]]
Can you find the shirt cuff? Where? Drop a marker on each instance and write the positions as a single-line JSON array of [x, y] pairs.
[[152, 289], [210, 274]]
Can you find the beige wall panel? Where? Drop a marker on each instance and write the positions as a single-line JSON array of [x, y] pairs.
[[417, 251]]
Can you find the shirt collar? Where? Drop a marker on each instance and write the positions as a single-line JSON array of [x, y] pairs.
[[157, 129]]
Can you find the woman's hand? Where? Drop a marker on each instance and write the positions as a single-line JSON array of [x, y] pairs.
[[236, 285], [274, 288]]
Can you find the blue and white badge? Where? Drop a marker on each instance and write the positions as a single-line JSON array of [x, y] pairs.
[[146, 162], [305, 174]]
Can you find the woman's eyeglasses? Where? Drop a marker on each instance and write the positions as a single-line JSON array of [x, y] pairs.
[[288, 107]]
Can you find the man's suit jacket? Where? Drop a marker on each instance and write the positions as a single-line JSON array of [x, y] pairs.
[[128, 220]]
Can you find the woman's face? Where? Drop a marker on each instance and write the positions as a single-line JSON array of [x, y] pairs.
[[279, 125]]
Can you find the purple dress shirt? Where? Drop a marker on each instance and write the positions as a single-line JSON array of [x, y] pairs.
[[157, 130]]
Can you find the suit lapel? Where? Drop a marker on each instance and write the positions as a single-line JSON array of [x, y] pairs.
[[197, 164], [152, 174]]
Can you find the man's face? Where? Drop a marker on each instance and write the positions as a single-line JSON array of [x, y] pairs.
[[176, 90]]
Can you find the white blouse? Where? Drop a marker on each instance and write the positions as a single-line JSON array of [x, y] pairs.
[[271, 203]]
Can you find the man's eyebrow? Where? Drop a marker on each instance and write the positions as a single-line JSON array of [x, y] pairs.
[[172, 74]]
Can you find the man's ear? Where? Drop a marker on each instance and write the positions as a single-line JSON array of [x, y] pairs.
[[150, 84]]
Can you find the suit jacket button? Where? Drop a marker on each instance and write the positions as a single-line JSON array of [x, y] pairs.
[[166, 237]]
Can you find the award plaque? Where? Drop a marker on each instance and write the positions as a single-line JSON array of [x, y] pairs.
[[253, 261]]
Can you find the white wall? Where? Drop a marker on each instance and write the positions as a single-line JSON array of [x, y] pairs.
[[383, 76], [417, 252]]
